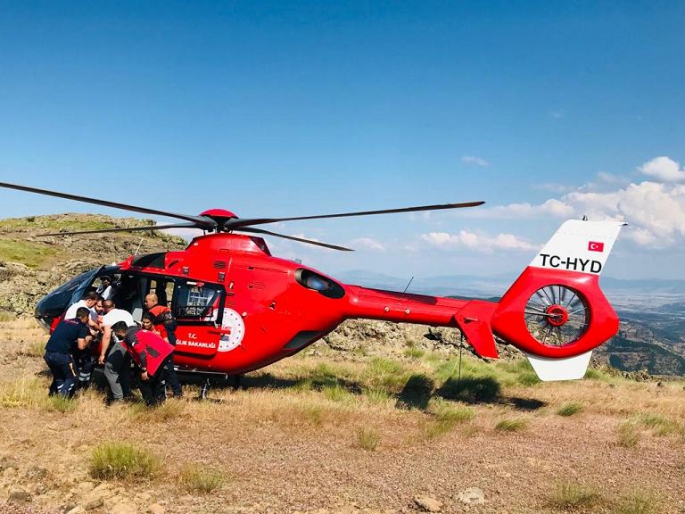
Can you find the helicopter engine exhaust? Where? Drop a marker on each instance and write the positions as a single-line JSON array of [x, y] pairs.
[[555, 312]]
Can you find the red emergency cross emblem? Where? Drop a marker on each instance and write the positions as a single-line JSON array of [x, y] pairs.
[[594, 246]]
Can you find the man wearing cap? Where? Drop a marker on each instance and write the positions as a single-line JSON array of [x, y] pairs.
[[68, 334]]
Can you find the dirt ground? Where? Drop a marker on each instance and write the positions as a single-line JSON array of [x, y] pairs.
[[280, 447]]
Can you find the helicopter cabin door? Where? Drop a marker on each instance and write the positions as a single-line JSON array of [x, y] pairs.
[[198, 309]]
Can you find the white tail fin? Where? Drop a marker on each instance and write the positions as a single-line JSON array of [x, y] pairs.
[[570, 368], [582, 246]]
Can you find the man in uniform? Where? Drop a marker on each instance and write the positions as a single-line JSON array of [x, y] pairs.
[[150, 353], [69, 335]]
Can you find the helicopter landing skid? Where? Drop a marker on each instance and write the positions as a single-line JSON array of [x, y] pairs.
[[204, 392]]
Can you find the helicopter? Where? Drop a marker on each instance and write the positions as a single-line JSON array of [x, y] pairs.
[[239, 308]]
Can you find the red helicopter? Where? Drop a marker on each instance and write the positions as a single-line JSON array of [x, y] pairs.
[[239, 308]]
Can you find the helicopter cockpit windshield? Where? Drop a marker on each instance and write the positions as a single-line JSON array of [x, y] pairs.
[[55, 303]]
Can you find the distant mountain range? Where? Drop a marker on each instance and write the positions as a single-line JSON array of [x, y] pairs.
[[465, 285]]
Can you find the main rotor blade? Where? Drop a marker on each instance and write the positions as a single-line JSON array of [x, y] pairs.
[[129, 229], [235, 224], [205, 222], [298, 239]]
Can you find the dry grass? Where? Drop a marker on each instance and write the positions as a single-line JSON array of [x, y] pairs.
[[511, 425], [573, 496], [27, 392], [445, 418], [639, 502], [303, 444], [569, 409], [121, 460], [659, 424], [628, 434], [196, 478], [367, 439]]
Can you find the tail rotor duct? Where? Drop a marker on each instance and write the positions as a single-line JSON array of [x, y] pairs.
[[557, 316]]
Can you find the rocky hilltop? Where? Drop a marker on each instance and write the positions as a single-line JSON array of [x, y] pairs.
[[31, 266]]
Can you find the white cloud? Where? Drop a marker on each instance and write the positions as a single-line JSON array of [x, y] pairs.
[[476, 242], [472, 160], [554, 188], [610, 178], [654, 211], [663, 169], [557, 115], [367, 243]]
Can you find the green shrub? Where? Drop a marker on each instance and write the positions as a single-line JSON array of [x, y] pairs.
[[61, 404], [661, 425], [511, 425], [120, 460], [414, 353], [377, 394], [638, 502], [338, 394], [445, 419], [569, 409], [572, 495], [528, 378], [367, 439], [198, 479], [628, 435]]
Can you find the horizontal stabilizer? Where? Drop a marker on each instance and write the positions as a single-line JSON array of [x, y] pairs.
[[569, 368]]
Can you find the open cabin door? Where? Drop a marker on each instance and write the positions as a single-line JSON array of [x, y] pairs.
[[198, 309]]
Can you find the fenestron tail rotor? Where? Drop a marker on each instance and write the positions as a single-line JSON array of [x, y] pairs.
[[224, 222], [557, 315]]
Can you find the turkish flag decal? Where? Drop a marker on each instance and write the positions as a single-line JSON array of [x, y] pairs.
[[594, 246]]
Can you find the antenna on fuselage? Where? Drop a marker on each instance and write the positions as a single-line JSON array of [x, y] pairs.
[[408, 284], [139, 245]]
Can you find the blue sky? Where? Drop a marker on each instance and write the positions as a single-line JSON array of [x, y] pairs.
[[298, 108]]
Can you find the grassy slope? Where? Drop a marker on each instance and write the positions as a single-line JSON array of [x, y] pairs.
[[366, 434]]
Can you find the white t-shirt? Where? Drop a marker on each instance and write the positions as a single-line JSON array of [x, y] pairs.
[[71, 311], [105, 293], [115, 316]]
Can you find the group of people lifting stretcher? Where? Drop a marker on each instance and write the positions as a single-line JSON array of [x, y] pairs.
[[72, 352]]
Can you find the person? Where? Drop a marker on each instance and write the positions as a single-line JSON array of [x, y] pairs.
[[165, 324], [59, 352], [105, 289], [85, 360], [150, 353], [113, 355], [89, 300]]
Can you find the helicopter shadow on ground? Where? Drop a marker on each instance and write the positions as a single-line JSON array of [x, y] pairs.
[[420, 389], [415, 394]]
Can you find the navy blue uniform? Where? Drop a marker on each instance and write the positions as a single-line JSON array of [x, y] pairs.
[[59, 358]]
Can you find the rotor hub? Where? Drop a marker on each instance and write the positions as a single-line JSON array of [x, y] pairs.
[[219, 214], [558, 315]]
